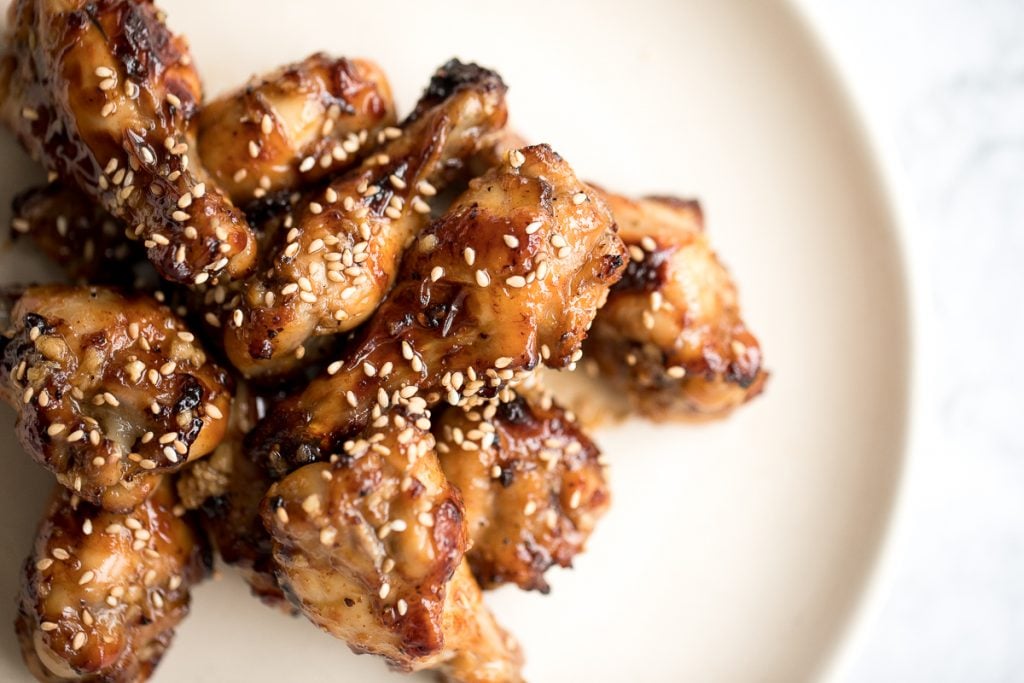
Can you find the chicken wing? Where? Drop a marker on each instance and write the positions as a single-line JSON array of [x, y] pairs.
[[227, 489], [103, 592], [105, 96], [511, 276], [339, 254], [291, 127], [671, 334], [368, 545], [77, 234], [532, 483], [111, 391]]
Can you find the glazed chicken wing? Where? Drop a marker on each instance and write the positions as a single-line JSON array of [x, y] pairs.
[[671, 334], [103, 592], [105, 96], [532, 484], [111, 391], [339, 254], [227, 489], [77, 234], [291, 127], [369, 543], [511, 276]]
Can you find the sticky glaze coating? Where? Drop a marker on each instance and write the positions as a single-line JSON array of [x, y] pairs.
[[295, 125], [112, 391], [671, 334], [105, 96], [339, 252], [510, 277], [368, 544], [227, 489], [532, 485], [77, 234], [103, 592]]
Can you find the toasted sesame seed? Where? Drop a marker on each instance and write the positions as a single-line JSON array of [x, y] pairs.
[[315, 208], [61, 554], [168, 367], [173, 99], [482, 278], [307, 164], [86, 577], [55, 429], [78, 641], [47, 626], [44, 564], [516, 281], [254, 149], [108, 84]]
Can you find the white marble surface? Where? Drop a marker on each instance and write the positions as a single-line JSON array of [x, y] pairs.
[[945, 81]]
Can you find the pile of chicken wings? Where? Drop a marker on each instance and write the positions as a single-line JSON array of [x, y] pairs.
[[304, 335]]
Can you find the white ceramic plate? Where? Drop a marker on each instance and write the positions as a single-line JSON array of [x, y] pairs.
[[734, 551]]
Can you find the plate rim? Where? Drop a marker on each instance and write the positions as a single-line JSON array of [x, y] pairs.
[[874, 138]]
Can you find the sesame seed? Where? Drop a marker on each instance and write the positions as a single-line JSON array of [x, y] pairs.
[[511, 241], [529, 508], [385, 588], [213, 411], [307, 164], [470, 255], [436, 273], [87, 527], [44, 564], [108, 83], [254, 149], [185, 200], [86, 577], [403, 607], [78, 641], [426, 519], [282, 515], [237, 317], [61, 554], [579, 198], [180, 216], [55, 429], [333, 368], [534, 227], [173, 99], [315, 208], [266, 124], [482, 278], [676, 372], [516, 281], [47, 626]]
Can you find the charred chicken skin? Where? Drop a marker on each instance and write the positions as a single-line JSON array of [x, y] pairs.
[[337, 256], [111, 391], [295, 125], [532, 484], [371, 547], [105, 96], [671, 333], [103, 592], [510, 277]]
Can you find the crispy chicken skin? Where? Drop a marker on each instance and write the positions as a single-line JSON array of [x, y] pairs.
[[295, 125], [76, 233], [340, 251], [105, 96], [532, 485], [368, 545], [227, 489], [103, 592], [511, 276], [111, 390], [671, 334]]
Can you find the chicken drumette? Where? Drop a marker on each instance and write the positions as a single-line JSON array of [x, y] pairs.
[[295, 125], [77, 234], [371, 547], [671, 334], [532, 484], [510, 277], [102, 592], [337, 256], [111, 391], [106, 97]]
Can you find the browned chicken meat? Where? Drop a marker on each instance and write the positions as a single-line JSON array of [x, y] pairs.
[[371, 547], [103, 592], [111, 390], [532, 484], [77, 234], [510, 277], [105, 96], [295, 125], [227, 489], [671, 334], [338, 255]]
